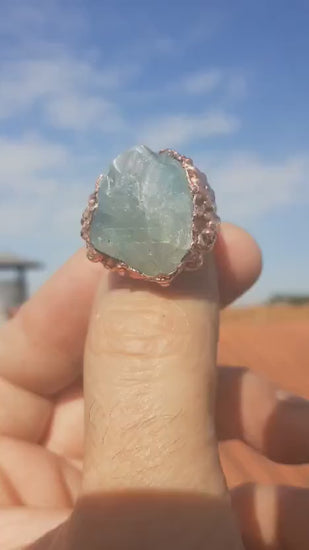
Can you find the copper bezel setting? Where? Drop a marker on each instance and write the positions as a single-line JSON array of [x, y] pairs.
[[205, 226]]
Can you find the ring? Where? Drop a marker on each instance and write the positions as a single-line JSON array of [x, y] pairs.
[[152, 216]]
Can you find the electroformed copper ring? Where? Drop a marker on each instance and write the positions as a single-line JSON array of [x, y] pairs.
[[205, 226]]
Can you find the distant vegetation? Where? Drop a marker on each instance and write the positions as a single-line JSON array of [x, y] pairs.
[[289, 299]]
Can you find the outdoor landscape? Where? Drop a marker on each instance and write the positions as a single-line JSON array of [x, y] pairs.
[[272, 340]]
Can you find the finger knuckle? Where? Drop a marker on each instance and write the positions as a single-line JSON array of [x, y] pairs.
[[140, 327]]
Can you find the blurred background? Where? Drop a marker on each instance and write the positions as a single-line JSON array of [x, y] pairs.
[[225, 83]]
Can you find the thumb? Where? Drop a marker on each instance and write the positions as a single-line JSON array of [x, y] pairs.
[[151, 457]]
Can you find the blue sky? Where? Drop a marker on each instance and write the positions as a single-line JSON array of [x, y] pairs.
[[224, 82]]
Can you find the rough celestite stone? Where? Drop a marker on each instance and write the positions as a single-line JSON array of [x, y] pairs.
[[144, 212]]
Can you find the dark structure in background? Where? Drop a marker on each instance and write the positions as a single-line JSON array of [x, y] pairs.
[[13, 282], [289, 299]]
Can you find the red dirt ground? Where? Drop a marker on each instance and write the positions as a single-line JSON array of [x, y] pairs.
[[275, 342]]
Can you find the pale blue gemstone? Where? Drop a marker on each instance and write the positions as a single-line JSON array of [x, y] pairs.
[[144, 212]]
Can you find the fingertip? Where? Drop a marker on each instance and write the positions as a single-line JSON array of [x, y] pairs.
[[239, 262]]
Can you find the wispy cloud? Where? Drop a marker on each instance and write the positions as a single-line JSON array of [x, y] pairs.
[[227, 82], [28, 183], [26, 163], [84, 112], [39, 182], [70, 93], [202, 82], [173, 131], [39, 23], [249, 186]]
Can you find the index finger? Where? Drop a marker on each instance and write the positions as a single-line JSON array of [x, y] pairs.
[[42, 346]]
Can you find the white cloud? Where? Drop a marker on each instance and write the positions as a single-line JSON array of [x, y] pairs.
[[248, 186], [25, 163], [35, 22], [202, 82], [80, 112], [17, 218], [177, 130], [40, 182], [226, 82], [71, 93]]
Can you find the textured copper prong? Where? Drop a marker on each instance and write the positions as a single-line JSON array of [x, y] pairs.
[[205, 226]]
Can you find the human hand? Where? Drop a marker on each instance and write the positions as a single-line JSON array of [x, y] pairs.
[[151, 477]]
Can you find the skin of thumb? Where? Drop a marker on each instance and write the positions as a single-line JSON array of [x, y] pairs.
[[149, 383]]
